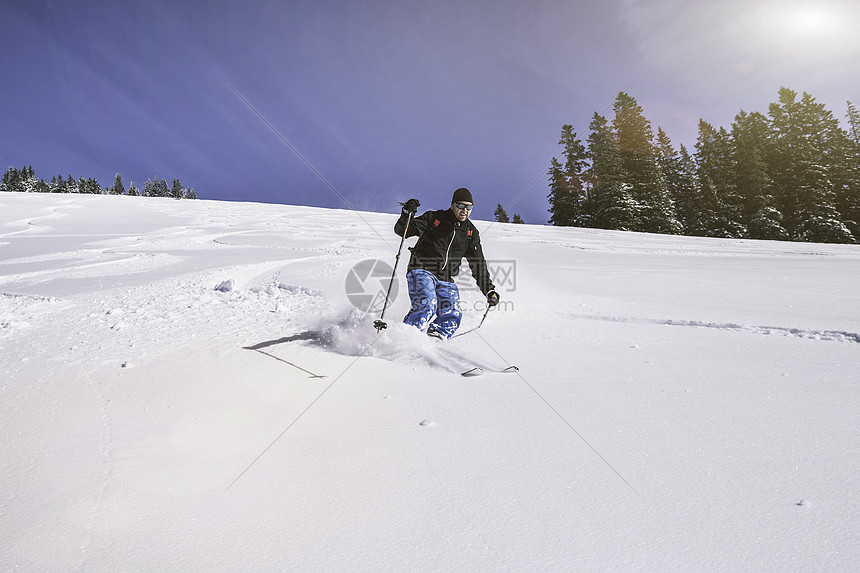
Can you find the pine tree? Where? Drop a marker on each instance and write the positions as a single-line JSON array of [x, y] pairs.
[[501, 215], [517, 219], [117, 188], [60, 185], [8, 184], [608, 204], [559, 196], [719, 206], [71, 185], [853, 117], [176, 190], [90, 186], [846, 173], [687, 193], [5, 183], [29, 183], [19, 180], [575, 163], [86, 186], [806, 138], [678, 182], [634, 139], [706, 203], [788, 147], [132, 190], [822, 220], [753, 184], [190, 193], [567, 189]]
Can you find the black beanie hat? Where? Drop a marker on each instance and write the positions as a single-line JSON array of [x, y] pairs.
[[462, 195]]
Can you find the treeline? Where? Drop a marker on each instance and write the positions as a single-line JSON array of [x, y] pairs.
[[793, 174], [502, 216], [24, 180]]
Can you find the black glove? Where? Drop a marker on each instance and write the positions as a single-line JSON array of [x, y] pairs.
[[411, 206], [492, 298]]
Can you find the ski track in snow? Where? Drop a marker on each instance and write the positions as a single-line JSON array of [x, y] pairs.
[[825, 335]]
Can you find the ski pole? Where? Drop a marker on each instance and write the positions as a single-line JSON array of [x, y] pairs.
[[483, 318], [381, 324]]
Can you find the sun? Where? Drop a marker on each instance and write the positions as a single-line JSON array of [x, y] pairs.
[[811, 20], [810, 30]]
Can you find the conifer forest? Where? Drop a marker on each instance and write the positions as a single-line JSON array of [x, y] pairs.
[[790, 174]]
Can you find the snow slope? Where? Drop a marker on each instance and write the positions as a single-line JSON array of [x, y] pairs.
[[683, 404]]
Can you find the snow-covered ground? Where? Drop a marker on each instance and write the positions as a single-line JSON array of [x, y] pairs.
[[683, 404]]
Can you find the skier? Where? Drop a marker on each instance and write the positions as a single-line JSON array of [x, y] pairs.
[[444, 238]]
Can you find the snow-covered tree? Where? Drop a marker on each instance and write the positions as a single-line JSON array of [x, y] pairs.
[[501, 215], [24, 180], [678, 182], [567, 187], [686, 194], [717, 204], [561, 211], [634, 140], [176, 190], [853, 117], [846, 173], [609, 204], [750, 139], [806, 138], [10, 182], [117, 188]]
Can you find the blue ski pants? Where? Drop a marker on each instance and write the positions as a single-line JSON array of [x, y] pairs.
[[433, 300]]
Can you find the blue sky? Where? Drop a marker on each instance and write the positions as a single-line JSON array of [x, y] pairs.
[[389, 100]]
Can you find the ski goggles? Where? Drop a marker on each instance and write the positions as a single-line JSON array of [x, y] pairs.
[[463, 206]]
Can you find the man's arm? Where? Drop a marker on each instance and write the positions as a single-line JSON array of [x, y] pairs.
[[417, 225], [478, 264]]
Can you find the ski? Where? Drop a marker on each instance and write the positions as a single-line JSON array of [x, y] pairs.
[[477, 371]]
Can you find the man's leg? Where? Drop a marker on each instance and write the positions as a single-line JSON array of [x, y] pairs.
[[422, 293], [448, 314]]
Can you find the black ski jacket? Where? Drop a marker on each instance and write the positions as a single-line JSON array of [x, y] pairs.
[[443, 241]]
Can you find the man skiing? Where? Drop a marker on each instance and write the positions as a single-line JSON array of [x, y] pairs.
[[444, 238]]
